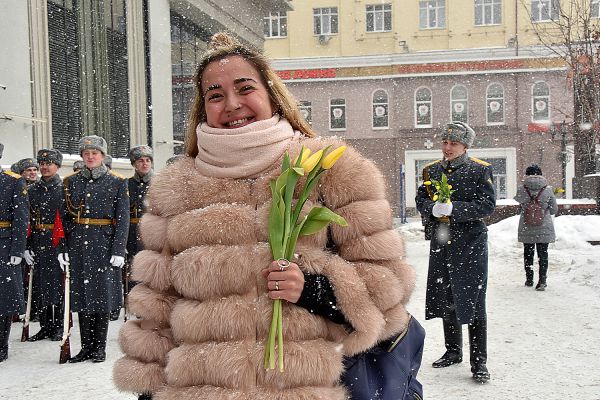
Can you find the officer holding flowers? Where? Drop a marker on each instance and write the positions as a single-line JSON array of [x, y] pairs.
[[458, 191]]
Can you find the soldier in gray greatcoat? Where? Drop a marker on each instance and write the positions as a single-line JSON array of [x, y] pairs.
[[458, 258], [96, 219], [45, 204], [536, 237], [14, 216]]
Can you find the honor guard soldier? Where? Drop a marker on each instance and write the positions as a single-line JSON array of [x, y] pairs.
[[96, 219], [45, 204], [458, 258], [14, 216], [29, 170]]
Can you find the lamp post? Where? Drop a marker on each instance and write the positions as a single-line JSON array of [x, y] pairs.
[[564, 157]]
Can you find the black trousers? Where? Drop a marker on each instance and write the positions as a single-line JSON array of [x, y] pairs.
[[542, 252]]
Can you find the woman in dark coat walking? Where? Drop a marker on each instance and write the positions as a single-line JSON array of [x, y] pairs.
[[536, 237], [97, 223]]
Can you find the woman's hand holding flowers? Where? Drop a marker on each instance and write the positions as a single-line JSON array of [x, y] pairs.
[[287, 284]]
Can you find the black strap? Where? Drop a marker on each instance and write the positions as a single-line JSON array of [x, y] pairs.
[[537, 196]]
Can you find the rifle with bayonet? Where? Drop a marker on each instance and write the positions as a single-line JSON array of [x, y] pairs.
[[65, 344], [25, 332]]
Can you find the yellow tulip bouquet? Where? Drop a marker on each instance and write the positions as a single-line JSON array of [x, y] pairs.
[[285, 224], [443, 190]]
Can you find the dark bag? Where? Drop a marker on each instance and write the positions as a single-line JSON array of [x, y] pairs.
[[388, 371], [534, 212]]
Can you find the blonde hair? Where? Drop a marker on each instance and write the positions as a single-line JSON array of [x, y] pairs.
[[223, 45]]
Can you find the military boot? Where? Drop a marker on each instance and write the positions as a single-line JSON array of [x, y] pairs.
[[45, 325], [541, 285], [453, 341], [5, 324], [528, 276], [100, 336], [85, 329], [478, 348]]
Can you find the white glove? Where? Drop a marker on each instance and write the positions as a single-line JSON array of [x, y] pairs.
[[117, 261], [63, 260], [14, 260], [441, 209], [28, 256]]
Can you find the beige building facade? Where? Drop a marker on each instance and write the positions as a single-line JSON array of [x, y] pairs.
[[387, 75]]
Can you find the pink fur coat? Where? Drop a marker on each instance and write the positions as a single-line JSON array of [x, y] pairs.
[[202, 303]]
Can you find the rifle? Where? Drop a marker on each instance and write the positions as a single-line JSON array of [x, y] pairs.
[[125, 277], [25, 332], [65, 345]]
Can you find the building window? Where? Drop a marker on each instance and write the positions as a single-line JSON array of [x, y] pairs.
[[494, 104], [275, 25], [540, 101], [459, 103], [488, 12], [423, 108], [337, 114], [325, 21], [545, 10], [595, 9], [306, 111], [379, 17], [380, 109], [499, 174], [432, 14]]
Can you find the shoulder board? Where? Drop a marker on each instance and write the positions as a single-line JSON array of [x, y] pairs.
[[70, 175], [431, 163], [478, 161], [117, 174], [13, 174]]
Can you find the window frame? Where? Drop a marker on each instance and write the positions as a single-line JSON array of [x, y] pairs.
[[306, 105], [387, 109], [482, 7], [416, 104], [343, 106], [331, 13], [554, 13], [489, 99], [280, 20], [439, 8], [595, 4], [454, 101], [385, 10], [535, 98]]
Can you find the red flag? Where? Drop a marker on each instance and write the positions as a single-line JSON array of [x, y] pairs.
[[57, 232], [28, 230]]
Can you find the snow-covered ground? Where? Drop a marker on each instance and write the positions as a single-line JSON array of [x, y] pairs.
[[542, 345]]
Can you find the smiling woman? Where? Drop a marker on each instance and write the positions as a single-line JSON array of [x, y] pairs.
[[208, 276]]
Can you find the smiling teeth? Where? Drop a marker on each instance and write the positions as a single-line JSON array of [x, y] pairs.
[[237, 122]]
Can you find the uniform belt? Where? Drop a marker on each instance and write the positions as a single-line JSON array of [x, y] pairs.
[[93, 221], [444, 219], [134, 220], [42, 227], [5, 224]]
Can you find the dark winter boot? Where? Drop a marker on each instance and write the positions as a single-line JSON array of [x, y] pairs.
[[57, 323], [5, 323], [541, 285], [453, 340], [478, 347], [85, 328], [45, 325], [528, 276], [100, 335]]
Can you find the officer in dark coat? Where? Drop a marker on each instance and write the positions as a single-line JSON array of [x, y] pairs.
[[14, 216], [45, 204], [28, 169], [96, 218], [458, 258]]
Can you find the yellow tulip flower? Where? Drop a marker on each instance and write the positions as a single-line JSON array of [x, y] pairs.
[[435, 197], [427, 183], [332, 157], [312, 161], [305, 155]]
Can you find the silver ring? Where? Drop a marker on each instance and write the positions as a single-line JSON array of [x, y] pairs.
[[283, 264], [276, 285]]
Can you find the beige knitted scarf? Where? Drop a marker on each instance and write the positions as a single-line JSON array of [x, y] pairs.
[[244, 152]]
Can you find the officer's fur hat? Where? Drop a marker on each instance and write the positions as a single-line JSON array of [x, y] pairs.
[[77, 165], [93, 142], [1, 149], [108, 161], [14, 167], [138, 152], [458, 131], [50, 155], [28, 163]]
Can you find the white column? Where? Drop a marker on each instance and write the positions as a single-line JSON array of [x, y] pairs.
[[136, 66]]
